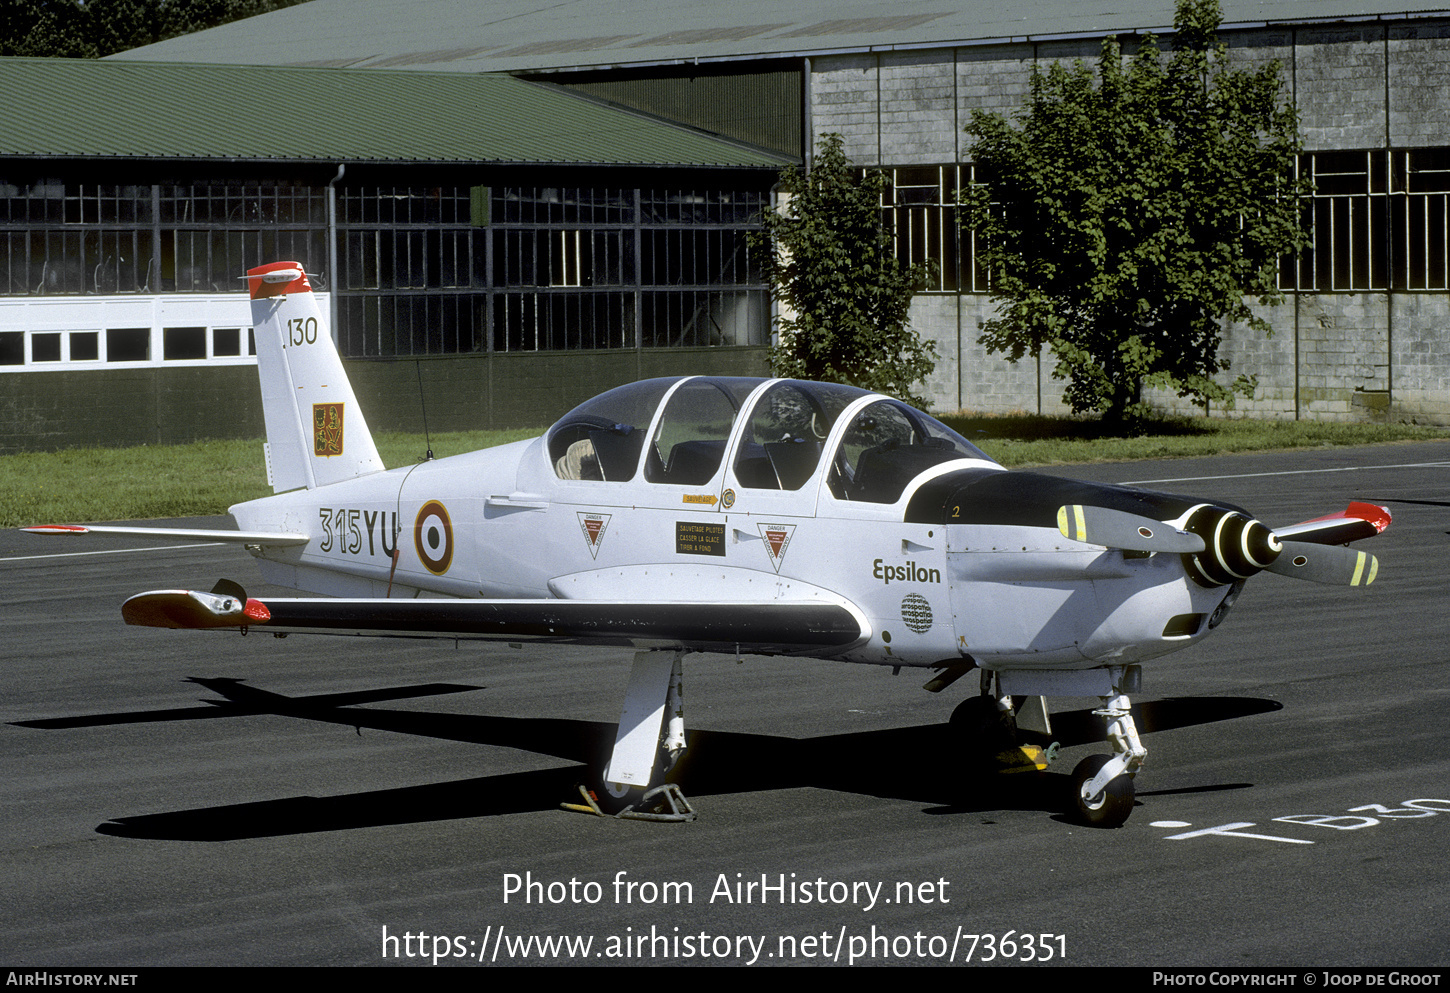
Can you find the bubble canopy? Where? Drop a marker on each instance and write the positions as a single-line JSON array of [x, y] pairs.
[[616, 437]]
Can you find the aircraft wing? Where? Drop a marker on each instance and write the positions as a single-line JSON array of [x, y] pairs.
[[1359, 520], [194, 534], [814, 627]]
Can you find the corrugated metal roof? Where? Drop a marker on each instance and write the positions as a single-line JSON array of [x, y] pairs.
[[522, 35], [83, 108]]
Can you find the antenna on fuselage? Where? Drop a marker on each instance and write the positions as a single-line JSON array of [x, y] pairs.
[[427, 439]]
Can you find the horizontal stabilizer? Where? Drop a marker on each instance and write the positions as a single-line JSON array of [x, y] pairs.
[[772, 627], [190, 534], [1331, 564], [1119, 529]]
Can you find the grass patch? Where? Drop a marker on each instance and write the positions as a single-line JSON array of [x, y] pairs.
[[205, 478], [1030, 439], [152, 481]]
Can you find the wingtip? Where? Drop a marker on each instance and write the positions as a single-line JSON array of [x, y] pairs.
[[193, 610], [1373, 514]]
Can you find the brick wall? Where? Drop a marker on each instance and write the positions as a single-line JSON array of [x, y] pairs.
[[1420, 358], [1419, 67], [1351, 356], [1338, 76], [918, 115]]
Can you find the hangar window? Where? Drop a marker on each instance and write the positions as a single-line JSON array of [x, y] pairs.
[[226, 341], [45, 347], [1378, 220], [421, 270], [128, 344], [183, 343], [61, 237], [604, 268], [1424, 176], [1348, 215], [920, 208], [85, 346]]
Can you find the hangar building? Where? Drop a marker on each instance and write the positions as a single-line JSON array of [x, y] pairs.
[[1362, 334], [491, 251]]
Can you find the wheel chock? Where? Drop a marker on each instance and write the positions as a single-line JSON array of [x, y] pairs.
[[651, 807], [1026, 758]]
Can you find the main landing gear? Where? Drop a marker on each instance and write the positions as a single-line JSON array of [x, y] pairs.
[[647, 746], [1102, 785], [988, 728]]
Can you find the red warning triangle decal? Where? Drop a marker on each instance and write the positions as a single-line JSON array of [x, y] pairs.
[[777, 540], [593, 526]]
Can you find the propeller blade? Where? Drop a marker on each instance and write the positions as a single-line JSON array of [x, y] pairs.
[[1332, 564], [1119, 529]]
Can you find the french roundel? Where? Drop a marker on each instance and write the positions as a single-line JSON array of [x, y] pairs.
[[433, 537]]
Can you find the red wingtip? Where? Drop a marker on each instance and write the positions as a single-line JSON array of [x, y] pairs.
[[1375, 515], [181, 609], [56, 529]]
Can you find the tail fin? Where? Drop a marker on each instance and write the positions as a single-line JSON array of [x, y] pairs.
[[315, 431]]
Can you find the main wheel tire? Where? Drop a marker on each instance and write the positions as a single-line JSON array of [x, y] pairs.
[[979, 725], [611, 798], [1109, 809], [614, 797]]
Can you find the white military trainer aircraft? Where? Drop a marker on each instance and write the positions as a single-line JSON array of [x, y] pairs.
[[739, 516]]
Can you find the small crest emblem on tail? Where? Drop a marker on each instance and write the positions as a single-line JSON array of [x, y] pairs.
[[327, 424]]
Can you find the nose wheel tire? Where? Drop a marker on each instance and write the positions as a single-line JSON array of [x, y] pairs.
[[1111, 807]]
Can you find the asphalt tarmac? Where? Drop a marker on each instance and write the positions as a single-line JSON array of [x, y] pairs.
[[173, 798]]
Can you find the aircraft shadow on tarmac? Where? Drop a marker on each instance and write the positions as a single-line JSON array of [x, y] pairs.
[[716, 762]]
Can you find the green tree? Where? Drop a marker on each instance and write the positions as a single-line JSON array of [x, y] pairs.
[[1125, 218], [89, 29], [833, 267]]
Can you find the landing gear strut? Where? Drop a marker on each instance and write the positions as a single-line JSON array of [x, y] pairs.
[[647, 746], [1102, 785]]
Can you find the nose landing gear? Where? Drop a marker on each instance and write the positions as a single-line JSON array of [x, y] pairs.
[[1102, 785]]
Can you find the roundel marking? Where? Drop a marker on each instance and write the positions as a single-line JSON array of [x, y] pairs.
[[433, 537]]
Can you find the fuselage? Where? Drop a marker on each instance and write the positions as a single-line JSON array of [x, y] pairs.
[[746, 491]]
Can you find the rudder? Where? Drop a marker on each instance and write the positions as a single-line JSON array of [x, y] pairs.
[[316, 433]]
